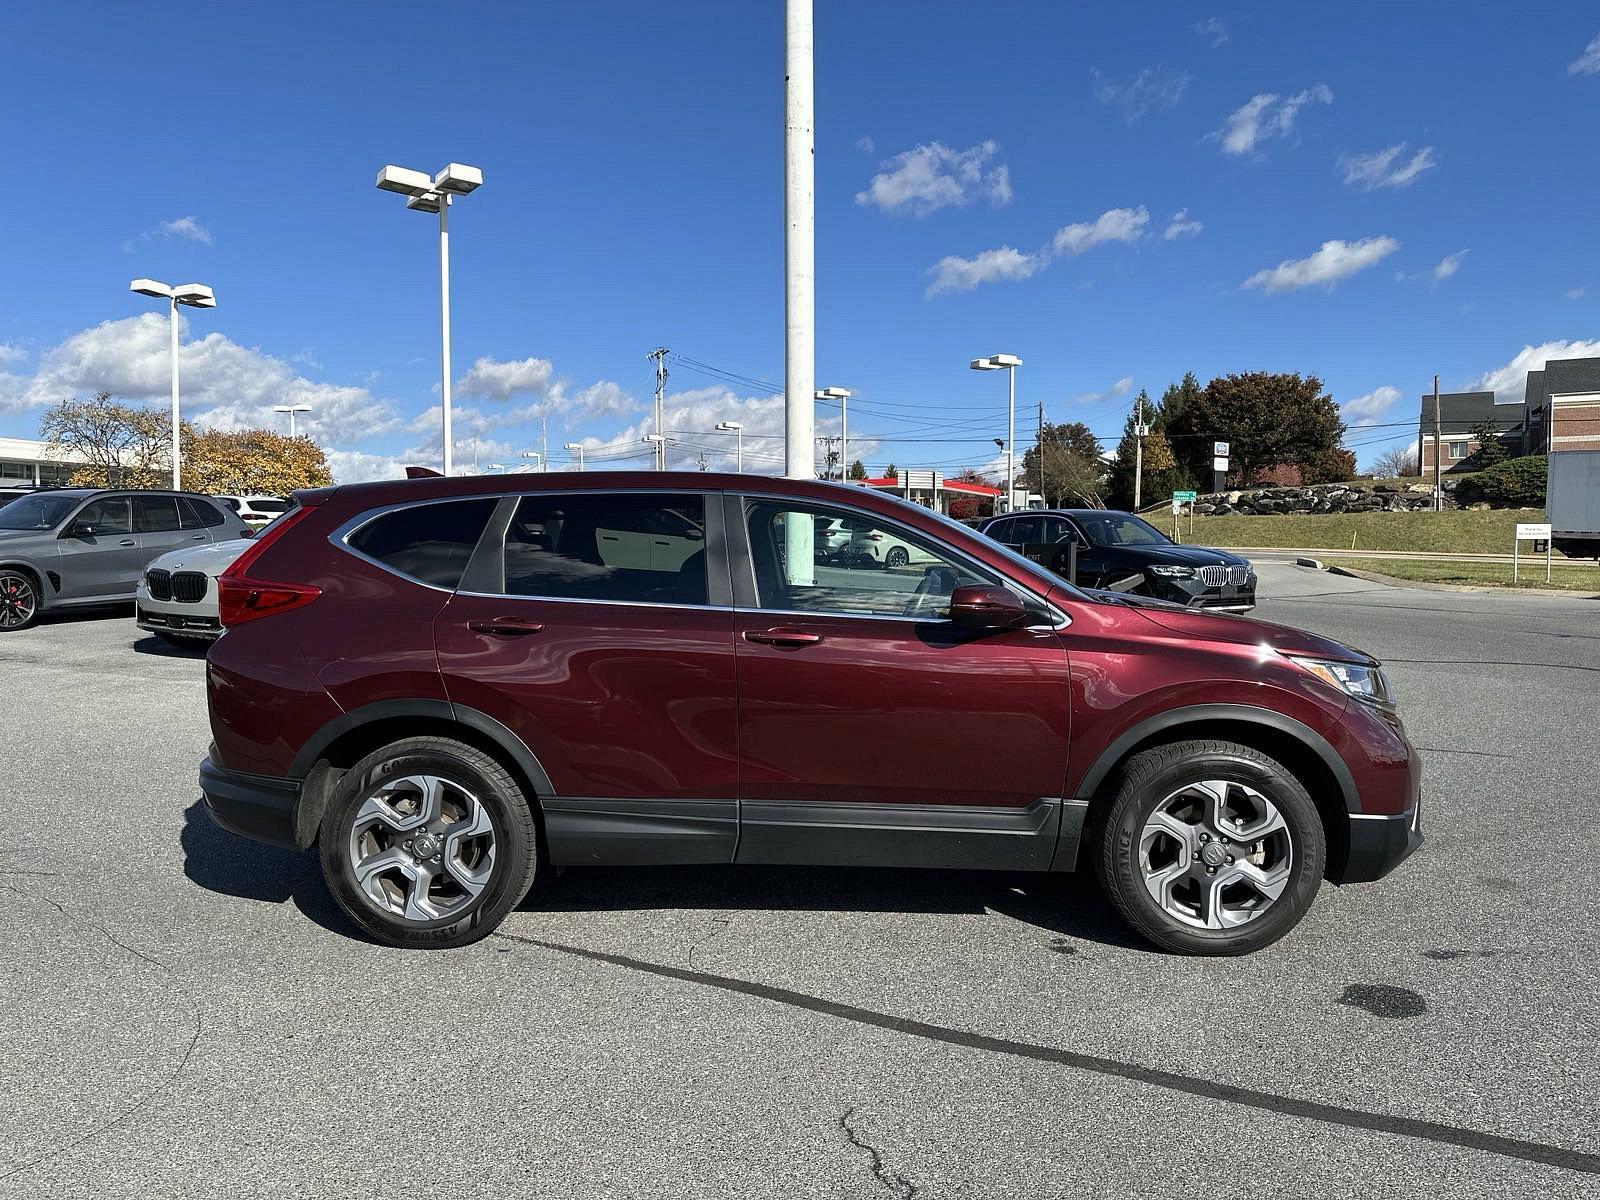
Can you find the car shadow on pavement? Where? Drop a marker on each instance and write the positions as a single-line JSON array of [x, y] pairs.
[[234, 866], [159, 647], [1064, 905]]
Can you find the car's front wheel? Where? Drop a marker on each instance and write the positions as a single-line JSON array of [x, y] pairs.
[[428, 842], [897, 557], [19, 600], [1210, 847]]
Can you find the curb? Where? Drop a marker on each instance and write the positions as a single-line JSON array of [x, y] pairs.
[[1429, 585], [1314, 563]]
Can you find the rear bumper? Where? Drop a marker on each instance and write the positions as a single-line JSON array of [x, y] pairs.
[[253, 806]]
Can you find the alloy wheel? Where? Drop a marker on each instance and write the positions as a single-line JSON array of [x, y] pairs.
[[18, 602], [422, 847], [1215, 854]]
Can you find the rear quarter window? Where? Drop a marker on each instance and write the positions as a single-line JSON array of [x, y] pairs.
[[430, 543]]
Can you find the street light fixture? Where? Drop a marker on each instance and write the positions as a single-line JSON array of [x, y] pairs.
[[660, 443], [501, 467], [190, 295], [536, 456], [577, 448], [434, 194], [734, 427], [1009, 364], [291, 409], [842, 395]]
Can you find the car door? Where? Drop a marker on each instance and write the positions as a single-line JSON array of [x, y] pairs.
[[100, 554], [618, 675], [874, 731]]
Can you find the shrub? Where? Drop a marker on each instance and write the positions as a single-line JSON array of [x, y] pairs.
[[1514, 483]]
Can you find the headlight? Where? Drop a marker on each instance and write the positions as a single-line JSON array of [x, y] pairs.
[[1173, 572], [1364, 683]]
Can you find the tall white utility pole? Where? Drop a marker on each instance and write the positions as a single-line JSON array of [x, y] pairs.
[[444, 326], [1138, 449], [191, 295], [1008, 363], [799, 248], [660, 355], [544, 444]]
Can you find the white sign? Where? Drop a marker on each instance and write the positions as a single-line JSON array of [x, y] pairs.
[[1220, 449], [1220, 464], [1533, 533], [1177, 508]]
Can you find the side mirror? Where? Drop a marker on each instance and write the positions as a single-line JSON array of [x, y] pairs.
[[79, 529], [986, 608]]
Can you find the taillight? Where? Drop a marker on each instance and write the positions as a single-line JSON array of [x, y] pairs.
[[241, 598]]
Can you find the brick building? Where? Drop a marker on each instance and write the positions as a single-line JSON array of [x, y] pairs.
[[1566, 397], [1560, 410]]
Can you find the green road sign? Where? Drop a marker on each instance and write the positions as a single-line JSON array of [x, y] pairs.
[[1183, 497]]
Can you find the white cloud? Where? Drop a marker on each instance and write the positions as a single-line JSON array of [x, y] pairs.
[[500, 381], [933, 176], [1507, 382], [953, 274], [185, 228], [1115, 392], [1380, 169], [1369, 409], [1332, 262], [1266, 117], [1151, 90], [11, 354], [1114, 225], [1587, 63], [1181, 225], [1449, 265], [1576, 293], [1213, 28], [866, 145]]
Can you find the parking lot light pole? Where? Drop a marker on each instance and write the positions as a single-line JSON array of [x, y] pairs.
[[190, 295], [1008, 363], [291, 409], [433, 194], [734, 427], [842, 395], [536, 456], [575, 448]]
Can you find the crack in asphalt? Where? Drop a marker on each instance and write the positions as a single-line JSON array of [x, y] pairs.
[[720, 928], [893, 1180], [149, 1097], [1288, 1106]]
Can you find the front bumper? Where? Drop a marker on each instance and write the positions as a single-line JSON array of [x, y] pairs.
[[1380, 844], [172, 616], [253, 806], [1191, 593]]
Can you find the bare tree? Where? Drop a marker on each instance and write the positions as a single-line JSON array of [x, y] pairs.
[[1397, 462], [118, 445]]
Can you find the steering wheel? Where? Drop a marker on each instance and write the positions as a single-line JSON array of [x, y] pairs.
[[933, 592]]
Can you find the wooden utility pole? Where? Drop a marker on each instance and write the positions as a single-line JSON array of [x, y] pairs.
[[1438, 450], [1138, 450]]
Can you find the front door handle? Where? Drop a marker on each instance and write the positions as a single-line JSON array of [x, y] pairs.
[[506, 626], [127, 542], [199, 537], [782, 637]]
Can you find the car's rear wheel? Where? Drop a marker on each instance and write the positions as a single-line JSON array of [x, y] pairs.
[[428, 842], [898, 556], [19, 600], [1211, 848]]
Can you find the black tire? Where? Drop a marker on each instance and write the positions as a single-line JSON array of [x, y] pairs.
[[1156, 774], [896, 558], [515, 839], [20, 599]]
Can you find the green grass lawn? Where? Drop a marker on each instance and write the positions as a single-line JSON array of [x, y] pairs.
[[1446, 532], [1562, 578]]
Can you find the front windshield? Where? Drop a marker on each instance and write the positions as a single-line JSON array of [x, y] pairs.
[[1120, 529], [37, 512]]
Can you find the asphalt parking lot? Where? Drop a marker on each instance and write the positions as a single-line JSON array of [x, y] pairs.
[[185, 1013]]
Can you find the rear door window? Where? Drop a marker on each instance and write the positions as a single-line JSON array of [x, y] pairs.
[[627, 548], [198, 514], [430, 543], [155, 514]]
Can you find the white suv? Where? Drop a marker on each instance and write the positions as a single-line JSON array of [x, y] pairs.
[[255, 510]]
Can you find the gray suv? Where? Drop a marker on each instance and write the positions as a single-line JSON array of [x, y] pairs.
[[79, 546]]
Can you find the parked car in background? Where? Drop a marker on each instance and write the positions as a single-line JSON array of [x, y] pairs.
[[256, 510], [177, 595], [10, 492], [449, 685], [1124, 553], [82, 546]]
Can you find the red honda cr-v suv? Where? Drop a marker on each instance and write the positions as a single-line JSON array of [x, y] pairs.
[[449, 685]]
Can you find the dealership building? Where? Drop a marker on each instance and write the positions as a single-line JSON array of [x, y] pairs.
[[25, 461]]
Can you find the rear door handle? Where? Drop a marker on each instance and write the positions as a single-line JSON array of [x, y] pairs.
[[506, 626], [127, 542], [199, 537], [782, 637]]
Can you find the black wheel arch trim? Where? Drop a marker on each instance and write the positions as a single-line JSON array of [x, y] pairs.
[[386, 710], [1195, 714]]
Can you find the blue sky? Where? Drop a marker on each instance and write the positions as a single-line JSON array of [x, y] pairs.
[[1369, 192]]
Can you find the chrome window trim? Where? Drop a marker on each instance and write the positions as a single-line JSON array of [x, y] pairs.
[[592, 600]]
